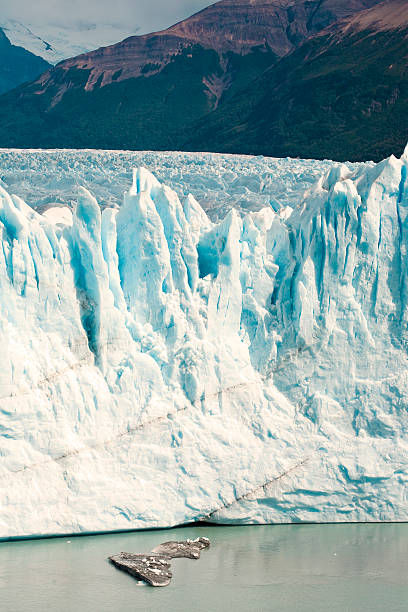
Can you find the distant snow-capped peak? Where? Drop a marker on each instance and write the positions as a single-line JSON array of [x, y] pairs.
[[56, 42]]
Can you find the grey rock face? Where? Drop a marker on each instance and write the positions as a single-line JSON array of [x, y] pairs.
[[154, 568]]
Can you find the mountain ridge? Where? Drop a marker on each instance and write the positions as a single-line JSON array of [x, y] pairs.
[[159, 90], [319, 101], [235, 26], [17, 65], [381, 17]]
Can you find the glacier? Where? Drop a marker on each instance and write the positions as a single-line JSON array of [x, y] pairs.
[[50, 178], [160, 365]]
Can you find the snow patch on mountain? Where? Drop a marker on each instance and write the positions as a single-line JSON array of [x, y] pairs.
[[58, 41], [158, 367]]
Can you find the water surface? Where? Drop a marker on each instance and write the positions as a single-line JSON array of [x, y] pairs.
[[299, 568]]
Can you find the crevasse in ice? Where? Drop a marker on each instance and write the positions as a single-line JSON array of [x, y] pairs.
[[158, 368]]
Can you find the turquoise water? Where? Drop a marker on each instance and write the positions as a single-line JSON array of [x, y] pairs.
[[302, 568]]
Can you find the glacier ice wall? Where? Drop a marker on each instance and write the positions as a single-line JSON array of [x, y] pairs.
[[158, 368]]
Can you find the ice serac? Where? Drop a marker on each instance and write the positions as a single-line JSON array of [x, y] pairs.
[[158, 368]]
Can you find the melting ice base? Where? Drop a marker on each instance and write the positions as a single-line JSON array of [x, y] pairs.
[[157, 368]]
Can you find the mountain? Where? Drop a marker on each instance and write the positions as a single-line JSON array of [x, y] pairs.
[[17, 65], [149, 91], [342, 95], [158, 368], [55, 42]]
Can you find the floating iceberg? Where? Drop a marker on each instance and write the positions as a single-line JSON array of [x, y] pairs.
[[158, 368]]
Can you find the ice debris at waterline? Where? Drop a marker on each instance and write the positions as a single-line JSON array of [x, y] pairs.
[[157, 368], [154, 568]]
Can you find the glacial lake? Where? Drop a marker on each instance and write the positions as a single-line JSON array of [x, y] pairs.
[[297, 568]]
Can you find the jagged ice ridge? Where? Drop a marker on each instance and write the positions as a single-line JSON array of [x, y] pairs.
[[158, 368]]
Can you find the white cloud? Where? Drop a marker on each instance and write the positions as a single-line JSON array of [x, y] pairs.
[[142, 15]]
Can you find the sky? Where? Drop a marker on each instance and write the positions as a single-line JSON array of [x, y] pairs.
[[144, 15]]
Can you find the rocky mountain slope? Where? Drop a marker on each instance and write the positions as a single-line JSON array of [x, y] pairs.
[[148, 92], [228, 26], [17, 65], [343, 94]]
